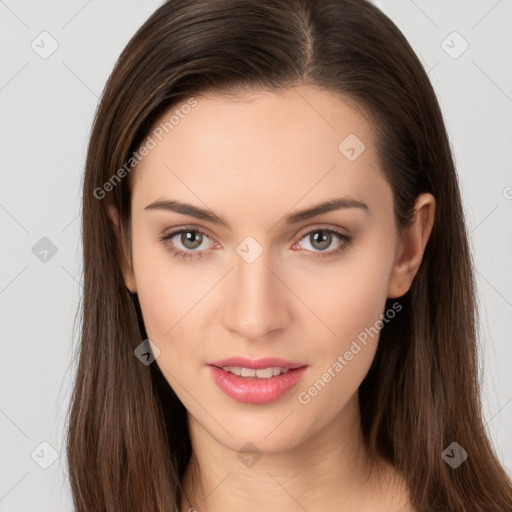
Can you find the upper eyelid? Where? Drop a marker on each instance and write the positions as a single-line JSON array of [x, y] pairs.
[[171, 232], [179, 229], [338, 231]]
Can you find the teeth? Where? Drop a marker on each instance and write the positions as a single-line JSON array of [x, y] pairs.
[[247, 372], [264, 373]]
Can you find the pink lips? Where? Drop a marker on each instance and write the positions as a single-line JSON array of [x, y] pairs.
[[253, 390]]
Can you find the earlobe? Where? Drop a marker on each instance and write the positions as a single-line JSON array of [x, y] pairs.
[[128, 275], [411, 248]]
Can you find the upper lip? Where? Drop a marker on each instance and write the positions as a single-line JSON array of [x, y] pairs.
[[256, 364]]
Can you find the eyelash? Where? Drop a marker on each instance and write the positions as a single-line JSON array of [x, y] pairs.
[[187, 255]]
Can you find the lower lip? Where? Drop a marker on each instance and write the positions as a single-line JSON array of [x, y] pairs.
[[252, 390]]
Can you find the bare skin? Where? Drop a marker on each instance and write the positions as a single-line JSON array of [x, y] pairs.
[[253, 162]]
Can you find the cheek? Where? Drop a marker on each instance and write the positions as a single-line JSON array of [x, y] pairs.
[[351, 304], [165, 292], [348, 297], [167, 305], [173, 296]]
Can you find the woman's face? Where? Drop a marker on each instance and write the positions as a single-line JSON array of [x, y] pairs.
[[259, 273]]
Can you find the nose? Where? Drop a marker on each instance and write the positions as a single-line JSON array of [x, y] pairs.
[[256, 303]]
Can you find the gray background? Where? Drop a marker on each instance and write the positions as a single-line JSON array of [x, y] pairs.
[[46, 110]]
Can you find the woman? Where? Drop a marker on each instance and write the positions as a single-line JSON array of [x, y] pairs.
[[292, 285]]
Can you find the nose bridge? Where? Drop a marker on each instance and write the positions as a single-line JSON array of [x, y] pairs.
[[254, 304]]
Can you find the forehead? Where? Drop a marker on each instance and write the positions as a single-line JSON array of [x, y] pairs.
[[261, 149]]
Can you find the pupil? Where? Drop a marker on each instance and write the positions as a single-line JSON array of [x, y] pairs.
[[323, 241], [191, 239]]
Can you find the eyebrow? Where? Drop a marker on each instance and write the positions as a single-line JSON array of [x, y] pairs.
[[299, 216]]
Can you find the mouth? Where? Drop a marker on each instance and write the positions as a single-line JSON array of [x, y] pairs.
[[264, 373], [256, 382]]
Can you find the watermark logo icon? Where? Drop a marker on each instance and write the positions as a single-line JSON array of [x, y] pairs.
[[147, 352], [45, 45], [454, 455], [44, 250], [249, 455], [351, 147], [44, 455], [454, 45], [249, 250]]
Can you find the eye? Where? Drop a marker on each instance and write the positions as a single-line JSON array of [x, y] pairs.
[[185, 242], [321, 239], [188, 243]]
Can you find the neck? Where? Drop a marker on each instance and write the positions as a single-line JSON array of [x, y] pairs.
[[330, 471]]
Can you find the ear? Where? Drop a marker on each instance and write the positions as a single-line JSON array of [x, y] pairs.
[[411, 247], [129, 277]]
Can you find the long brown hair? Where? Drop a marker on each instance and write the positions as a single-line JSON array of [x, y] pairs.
[[128, 442]]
